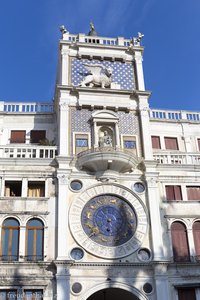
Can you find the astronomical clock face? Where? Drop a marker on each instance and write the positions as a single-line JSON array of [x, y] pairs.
[[108, 221]]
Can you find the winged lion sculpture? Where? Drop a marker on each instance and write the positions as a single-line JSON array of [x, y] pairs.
[[99, 76]]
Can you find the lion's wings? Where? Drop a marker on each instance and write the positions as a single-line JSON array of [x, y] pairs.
[[94, 69]]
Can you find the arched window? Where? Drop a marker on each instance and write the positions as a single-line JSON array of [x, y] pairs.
[[180, 242], [34, 239], [196, 235], [10, 239]]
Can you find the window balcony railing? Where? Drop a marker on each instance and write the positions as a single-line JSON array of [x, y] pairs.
[[27, 151], [9, 258], [33, 258], [175, 158]]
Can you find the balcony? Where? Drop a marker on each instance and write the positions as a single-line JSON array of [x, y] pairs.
[[107, 158], [175, 158], [28, 151]]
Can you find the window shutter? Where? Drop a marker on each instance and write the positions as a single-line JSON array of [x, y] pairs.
[[155, 142], [18, 136], [196, 235], [179, 242], [37, 135], [173, 192], [170, 192], [193, 192], [186, 294], [171, 143]]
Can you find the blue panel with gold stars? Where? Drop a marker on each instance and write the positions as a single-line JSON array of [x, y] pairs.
[[123, 73]]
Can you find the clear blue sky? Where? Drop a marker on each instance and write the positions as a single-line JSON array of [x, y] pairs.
[[29, 31]]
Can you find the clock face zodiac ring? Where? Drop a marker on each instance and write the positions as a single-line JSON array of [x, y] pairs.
[[108, 220]]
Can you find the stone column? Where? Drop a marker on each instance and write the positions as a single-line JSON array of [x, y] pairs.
[[63, 283], [22, 243], [63, 129], [95, 136], [191, 238], [162, 283], [62, 215], [154, 211], [145, 127], [117, 135], [139, 71], [24, 187], [64, 76]]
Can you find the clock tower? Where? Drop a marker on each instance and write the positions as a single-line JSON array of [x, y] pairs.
[[105, 219]]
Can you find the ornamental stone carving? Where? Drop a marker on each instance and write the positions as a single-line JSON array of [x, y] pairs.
[[98, 76]]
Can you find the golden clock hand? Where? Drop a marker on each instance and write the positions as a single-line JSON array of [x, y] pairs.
[[94, 231]]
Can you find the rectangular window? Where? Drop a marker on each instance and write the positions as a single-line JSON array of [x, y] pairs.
[[18, 136], [193, 192], [173, 192], [129, 143], [155, 140], [33, 294], [171, 143], [8, 294], [81, 143], [186, 294], [13, 188], [37, 135], [36, 189]]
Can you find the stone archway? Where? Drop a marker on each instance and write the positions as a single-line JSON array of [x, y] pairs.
[[113, 293]]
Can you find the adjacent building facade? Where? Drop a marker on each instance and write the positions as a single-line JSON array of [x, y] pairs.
[[99, 194]]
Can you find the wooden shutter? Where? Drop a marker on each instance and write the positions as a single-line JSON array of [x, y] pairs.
[[37, 135], [186, 294], [193, 192], [155, 142], [173, 192], [171, 143], [18, 136], [179, 242], [196, 235]]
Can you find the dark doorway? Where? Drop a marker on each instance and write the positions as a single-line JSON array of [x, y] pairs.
[[113, 293]]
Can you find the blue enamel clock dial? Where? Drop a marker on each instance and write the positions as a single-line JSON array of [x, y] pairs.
[[109, 220]]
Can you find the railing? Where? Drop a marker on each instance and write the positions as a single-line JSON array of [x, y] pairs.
[[105, 149], [82, 38], [33, 258], [177, 158], [9, 258], [174, 115], [43, 152], [22, 107]]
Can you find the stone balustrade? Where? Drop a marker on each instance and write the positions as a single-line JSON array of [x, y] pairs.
[[174, 115], [82, 38], [26, 107], [177, 158], [39, 152]]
